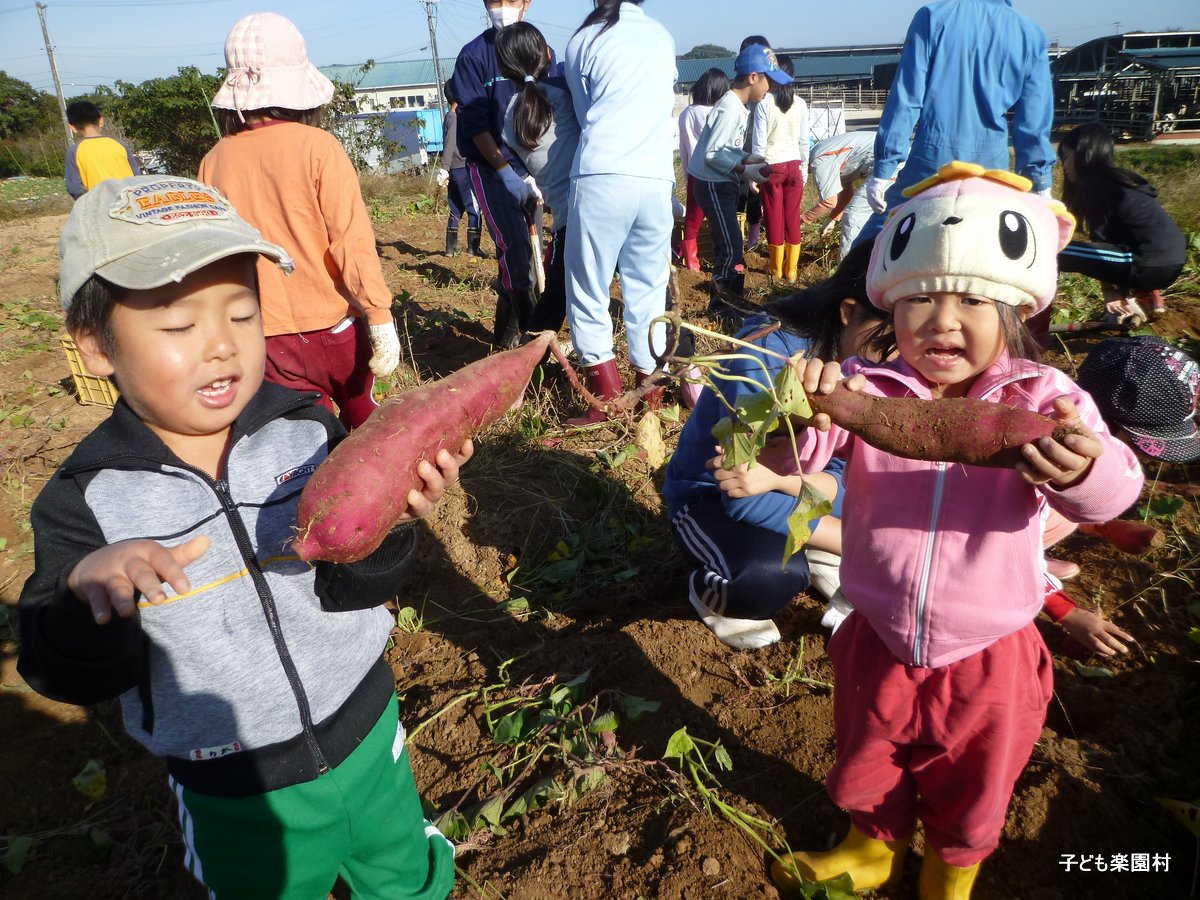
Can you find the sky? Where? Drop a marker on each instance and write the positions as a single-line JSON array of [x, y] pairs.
[[97, 42]]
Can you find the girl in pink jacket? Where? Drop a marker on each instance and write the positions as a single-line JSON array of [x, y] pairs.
[[942, 677]]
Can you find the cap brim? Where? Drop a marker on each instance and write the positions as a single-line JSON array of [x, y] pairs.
[[779, 76], [1170, 443], [179, 255]]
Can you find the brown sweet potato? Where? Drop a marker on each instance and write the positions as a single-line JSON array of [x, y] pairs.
[[360, 491], [964, 430]]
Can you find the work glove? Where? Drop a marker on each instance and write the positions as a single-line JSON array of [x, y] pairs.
[[876, 190], [385, 349], [829, 226], [524, 192], [756, 173], [443, 177], [1045, 193]]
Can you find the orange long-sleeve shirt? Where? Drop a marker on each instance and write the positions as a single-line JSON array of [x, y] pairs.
[[296, 185]]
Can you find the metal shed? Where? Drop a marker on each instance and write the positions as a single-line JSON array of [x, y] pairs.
[[1140, 84]]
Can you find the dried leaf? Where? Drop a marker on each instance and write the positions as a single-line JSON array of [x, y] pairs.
[[92, 782], [648, 438]]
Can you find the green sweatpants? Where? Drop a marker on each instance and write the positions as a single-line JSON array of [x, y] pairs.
[[362, 820]]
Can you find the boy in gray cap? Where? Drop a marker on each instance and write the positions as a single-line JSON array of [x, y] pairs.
[[260, 680]]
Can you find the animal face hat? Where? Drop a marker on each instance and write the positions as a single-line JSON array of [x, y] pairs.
[[970, 230]]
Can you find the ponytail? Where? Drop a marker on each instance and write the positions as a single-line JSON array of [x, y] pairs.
[[523, 55], [606, 11], [785, 94]]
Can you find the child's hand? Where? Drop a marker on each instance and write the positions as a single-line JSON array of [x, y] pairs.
[[744, 480], [1094, 633], [818, 377], [1061, 463], [108, 578], [437, 479]]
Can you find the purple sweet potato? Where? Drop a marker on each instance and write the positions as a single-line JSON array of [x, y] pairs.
[[358, 494], [961, 430], [1135, 538]]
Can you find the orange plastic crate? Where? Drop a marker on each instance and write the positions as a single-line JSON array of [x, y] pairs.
[[92, 389]]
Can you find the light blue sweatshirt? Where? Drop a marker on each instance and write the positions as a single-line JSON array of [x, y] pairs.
[[722, 143], [965, 64], [623, 85]]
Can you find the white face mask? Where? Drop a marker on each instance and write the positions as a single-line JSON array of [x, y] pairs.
[[504, 16]]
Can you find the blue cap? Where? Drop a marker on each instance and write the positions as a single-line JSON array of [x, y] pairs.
[[757, 58]]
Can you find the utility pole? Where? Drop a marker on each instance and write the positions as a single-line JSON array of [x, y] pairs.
[[431, 14], [62, 101]]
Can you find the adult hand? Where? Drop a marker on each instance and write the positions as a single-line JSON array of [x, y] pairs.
[[877, 189], [385, 349], [108, 578]]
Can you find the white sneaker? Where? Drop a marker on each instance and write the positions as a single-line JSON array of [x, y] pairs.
[[839, 609], [824, 573], [741, 634]]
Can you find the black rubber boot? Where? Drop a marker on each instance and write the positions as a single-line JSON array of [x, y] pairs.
[[520, 311], [452, 242], [474, 235]]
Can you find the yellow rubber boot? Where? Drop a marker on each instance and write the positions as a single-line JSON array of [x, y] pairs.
[[871, 863], [941, 881], [775, 253], [791, 262], [741, 217]]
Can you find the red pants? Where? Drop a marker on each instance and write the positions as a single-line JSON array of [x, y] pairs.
[[945, 745], [782, 196], [694, 217], [336, 366]]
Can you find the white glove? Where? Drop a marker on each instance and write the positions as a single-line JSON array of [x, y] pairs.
[[535, 195], [678, 210], [525, 192], [443, 178], [829, 226], [385, 348], [876, 189], [1045, 193], [756, 173]]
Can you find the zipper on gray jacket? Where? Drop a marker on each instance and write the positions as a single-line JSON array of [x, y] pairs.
[[927, 565], [267, 599]]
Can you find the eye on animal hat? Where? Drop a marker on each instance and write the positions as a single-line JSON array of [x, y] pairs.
[[975, 231]]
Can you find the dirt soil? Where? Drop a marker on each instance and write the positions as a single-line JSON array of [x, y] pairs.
[[497, 611]]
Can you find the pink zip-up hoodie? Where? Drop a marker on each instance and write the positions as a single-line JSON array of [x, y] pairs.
[[943, 559]]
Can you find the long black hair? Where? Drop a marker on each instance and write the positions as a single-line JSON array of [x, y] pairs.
[[606, 11], [710, 87], [785, 94], [1092, 147], [522, 55], [815, 312]]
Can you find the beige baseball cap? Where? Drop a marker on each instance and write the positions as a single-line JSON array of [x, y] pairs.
[[143, 232]]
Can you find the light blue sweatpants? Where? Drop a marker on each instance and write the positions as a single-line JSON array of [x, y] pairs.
[[617, 221]]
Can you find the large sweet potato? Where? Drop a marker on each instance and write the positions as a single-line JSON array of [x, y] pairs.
[[358, 494], [962, 430]]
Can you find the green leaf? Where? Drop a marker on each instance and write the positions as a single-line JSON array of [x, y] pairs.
[[92, 782], [492, 810], [1194, 635], [3, 542], [811, 504], [1091, 671], [17, 854], [792, 399], [679, 745], [587, 780], [605, 722], [721, 758], [453, 825], [636, 707], [1165, 507], [840, 888], [511, 728]]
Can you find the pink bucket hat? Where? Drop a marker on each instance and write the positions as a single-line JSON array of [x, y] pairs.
[[268, 66], [971, 230]]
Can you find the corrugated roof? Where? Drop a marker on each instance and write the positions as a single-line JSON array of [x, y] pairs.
[[404, 73], [816, 67], [1168, 57]]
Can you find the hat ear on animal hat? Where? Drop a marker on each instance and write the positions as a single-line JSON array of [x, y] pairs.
[[973, 231]]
